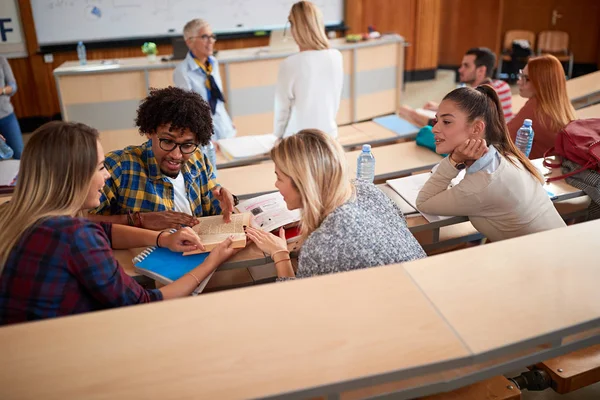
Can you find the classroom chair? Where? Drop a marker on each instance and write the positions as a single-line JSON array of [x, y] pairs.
[[557, 44], [509, 38]]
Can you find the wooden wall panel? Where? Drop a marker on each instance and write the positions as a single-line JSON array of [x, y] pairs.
[[427, 34], [580, 19], [468, 23]]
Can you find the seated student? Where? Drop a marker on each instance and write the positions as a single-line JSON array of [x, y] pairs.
[[199, 72], [502, 192], [166, 182], [549, 108], [476, 69], [309, 83], [345, 225], [54, 263]]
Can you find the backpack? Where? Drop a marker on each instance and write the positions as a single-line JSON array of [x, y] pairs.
[[578, 142]]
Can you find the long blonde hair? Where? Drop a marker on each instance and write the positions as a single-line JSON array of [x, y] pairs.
[[483, 103], [548, 78], [316, 164], [54, 179], [308, 27]]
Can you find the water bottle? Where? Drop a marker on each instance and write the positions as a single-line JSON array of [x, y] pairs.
[[211, 153], [365, 168], [81, 54], [5, 151], [525, 138]]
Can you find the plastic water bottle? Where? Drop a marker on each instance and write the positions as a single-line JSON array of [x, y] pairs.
[[5, 151], [81, 53], [211, 153], [525, 138], [365, 168]]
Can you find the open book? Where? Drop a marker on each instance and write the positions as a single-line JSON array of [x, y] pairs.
[[247, 146], [213, 230]]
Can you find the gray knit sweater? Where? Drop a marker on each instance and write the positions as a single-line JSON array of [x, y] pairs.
[[367, 231]]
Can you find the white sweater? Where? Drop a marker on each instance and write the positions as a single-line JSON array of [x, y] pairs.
[[308, 93], [506, 203]]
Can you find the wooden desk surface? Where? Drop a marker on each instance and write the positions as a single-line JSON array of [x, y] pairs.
[[588, 112], [390, 161], [506, 292], [213, 347], [583, 85], [349, 136]]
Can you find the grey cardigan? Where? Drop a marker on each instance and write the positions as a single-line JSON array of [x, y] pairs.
[[367, 231], [6, 79]]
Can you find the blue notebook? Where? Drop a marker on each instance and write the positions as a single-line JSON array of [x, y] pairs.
[[399, 126], [165, 266]]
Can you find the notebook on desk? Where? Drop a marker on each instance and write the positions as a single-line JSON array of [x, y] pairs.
[[399, 126], [166, 266], [409, 187]]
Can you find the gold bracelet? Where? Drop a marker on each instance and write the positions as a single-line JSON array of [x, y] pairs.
[[280, 251], [195, 277], [285, 259]]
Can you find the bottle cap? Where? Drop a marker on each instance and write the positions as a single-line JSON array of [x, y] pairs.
[[527, 122], [366, 148]]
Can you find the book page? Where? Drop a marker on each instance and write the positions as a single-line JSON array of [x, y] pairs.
[[213, 230], [269, 211]]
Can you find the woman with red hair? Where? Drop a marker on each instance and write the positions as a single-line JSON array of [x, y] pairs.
[[543, 82]]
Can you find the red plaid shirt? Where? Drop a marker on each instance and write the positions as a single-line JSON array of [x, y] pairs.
[[65, 266]]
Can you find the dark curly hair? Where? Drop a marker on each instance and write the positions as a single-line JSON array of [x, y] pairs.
[[180, 108]]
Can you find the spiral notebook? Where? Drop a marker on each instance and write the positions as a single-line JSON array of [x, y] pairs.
[[166, 266]]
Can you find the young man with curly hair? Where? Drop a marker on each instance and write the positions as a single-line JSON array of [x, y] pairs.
[[167, 181]]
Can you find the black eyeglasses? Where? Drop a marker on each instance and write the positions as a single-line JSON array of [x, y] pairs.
[[169, 145], [205, 37], [522, 76]]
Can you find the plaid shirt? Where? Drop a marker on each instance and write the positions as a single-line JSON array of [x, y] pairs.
[[136, 183], [63, 266]]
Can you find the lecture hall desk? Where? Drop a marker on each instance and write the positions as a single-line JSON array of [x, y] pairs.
[[422, 319]]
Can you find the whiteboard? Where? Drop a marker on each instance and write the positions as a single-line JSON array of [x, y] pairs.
[[69, 21]]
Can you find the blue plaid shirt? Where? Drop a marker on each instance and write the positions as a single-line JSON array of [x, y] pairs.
[[136, 183]]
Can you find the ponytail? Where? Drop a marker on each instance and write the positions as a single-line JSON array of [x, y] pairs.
[[483, 103]]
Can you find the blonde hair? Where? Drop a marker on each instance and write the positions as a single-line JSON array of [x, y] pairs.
[[316, 164], [54, 179], [548, 78], [194, 26], [308, 27]]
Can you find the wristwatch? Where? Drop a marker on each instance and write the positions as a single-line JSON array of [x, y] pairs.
[[458, 165]]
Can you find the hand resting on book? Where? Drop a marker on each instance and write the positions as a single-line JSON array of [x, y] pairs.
[[266, 241]]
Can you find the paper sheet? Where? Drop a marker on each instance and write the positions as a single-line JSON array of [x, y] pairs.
[[247, 146], [269, 211]]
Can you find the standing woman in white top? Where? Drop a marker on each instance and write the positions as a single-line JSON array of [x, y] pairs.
[[502, 192], [309, 84]]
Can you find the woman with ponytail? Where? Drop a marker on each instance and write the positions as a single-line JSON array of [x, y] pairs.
[[345, 225], [502, 192]]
